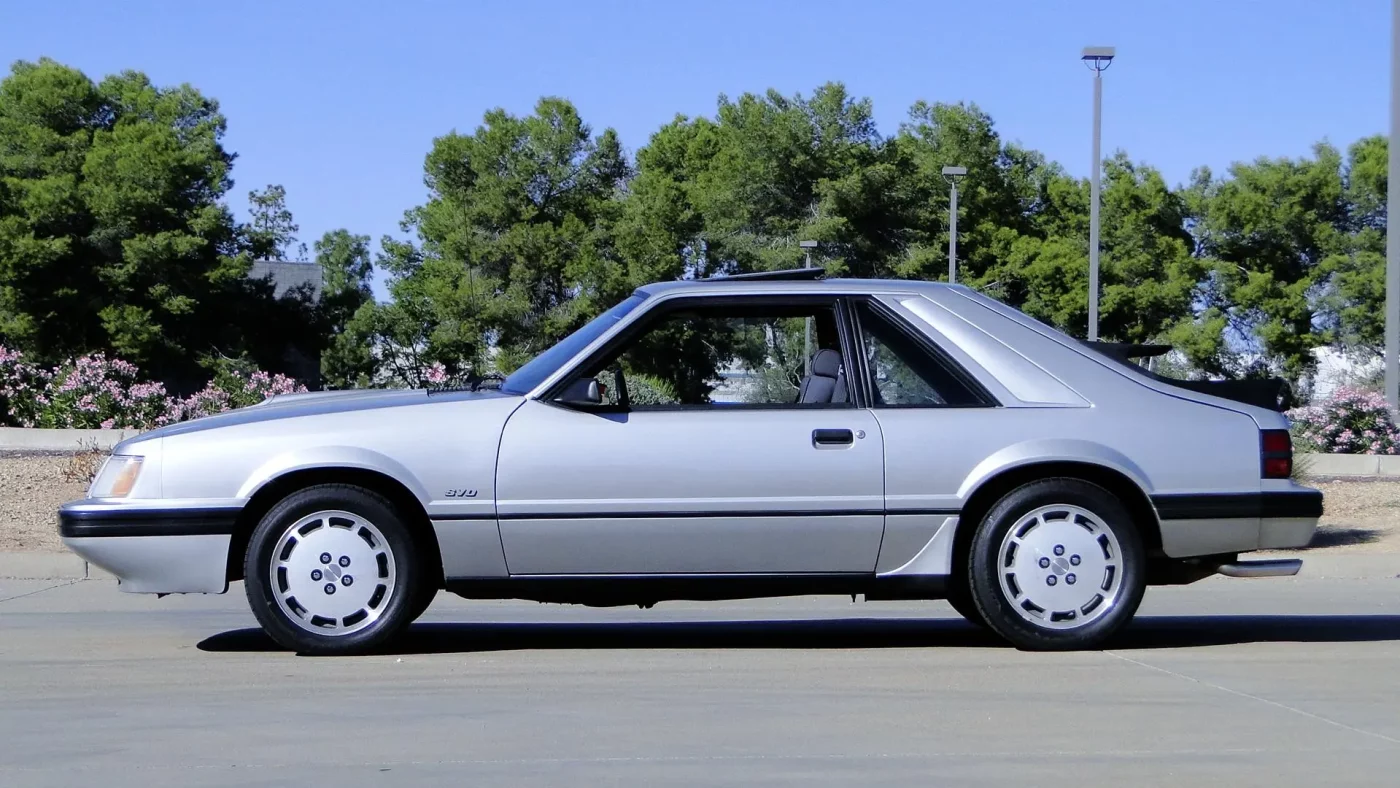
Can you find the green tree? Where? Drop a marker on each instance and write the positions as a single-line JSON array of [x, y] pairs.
[[112, 233], [1355, 297], [271, 230], [346, 267], [1272, 229], [738, 192], [1000, 202], [515, 245]]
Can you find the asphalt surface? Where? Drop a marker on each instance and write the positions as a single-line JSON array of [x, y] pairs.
[[1228, 682]]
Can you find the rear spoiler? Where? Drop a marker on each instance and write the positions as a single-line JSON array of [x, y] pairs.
[[1269, 393]]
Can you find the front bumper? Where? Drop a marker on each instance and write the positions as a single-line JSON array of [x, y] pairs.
[[153, 549]]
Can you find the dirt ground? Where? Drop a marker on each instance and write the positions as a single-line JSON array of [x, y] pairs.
[[1361, 516], [31, 488]]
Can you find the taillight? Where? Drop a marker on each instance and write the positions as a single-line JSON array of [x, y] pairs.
[[1275, 454]]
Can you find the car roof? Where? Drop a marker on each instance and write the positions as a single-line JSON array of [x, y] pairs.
[[719, 286]]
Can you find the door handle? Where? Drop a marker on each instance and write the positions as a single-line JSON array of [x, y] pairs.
[[832, 437]]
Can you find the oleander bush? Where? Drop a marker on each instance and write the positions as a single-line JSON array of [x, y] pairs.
[[94, 391], [1350, 421]]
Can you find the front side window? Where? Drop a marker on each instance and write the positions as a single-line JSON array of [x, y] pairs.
[[905, 374], [758, 355], [535, 371]]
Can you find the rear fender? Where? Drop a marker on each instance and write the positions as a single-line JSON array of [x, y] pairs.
[[1053, 450]]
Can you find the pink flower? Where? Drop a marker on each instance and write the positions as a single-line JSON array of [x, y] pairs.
[[436, 373]]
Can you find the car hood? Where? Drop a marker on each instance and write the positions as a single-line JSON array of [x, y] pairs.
[[290, 406]]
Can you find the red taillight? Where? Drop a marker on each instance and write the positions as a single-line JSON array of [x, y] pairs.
[[1275, 454]]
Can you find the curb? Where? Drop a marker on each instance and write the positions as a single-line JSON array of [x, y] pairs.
[[1349, 466], [30, 439], [42, 566]]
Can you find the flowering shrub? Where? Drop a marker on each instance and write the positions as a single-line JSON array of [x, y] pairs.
[[96, 392], [1351, 421], [21, 388], [436, 374], [236, 387]]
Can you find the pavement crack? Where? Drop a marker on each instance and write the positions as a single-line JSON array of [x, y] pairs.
[[1258, 698], [41, 590]]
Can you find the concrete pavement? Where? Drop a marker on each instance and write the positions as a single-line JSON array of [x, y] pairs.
[[1228, 682]]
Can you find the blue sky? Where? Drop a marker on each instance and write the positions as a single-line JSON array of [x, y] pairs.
[[339, 101]]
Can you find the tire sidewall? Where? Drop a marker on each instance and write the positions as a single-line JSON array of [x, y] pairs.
[[984, 559], [358, 501]]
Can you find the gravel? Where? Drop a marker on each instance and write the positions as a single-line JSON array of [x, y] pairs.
[[1360, 517], [33, 488]]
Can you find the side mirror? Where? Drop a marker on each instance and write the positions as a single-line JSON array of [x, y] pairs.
[[582, 392]]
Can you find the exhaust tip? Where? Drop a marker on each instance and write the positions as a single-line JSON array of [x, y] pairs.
[[1281, 567]]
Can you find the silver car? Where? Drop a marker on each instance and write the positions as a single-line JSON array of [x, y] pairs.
[[730, 438]]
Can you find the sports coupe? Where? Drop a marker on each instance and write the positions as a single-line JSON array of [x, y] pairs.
[[745, 436]]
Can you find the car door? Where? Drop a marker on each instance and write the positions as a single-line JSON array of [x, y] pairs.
[[757, 475]]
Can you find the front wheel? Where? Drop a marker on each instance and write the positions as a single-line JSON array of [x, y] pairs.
[[331, 569], [1057, 564]]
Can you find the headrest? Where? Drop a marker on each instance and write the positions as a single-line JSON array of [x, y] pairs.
[[826, 363]]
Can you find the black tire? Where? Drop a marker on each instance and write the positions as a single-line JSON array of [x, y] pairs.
[[987, 575], [427, 592], [960, 597], [397, 603]]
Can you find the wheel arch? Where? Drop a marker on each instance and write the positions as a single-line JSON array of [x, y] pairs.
[[995, 486], [279, 487]]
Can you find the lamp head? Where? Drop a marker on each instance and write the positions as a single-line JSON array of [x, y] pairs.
[[1097, 58]]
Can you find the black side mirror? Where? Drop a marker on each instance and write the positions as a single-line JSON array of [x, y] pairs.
[[582, 392]]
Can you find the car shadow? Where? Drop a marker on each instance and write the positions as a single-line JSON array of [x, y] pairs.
[[1146, 632], [1342, 535]]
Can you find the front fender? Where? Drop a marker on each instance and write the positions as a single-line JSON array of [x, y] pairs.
[[331, 457], [1053, 450]]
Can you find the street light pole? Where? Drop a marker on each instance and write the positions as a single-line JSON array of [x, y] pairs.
[[951, 175], [1098, 59], [1392, 244]]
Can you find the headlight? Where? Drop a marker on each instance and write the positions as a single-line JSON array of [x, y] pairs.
[[117, 477]]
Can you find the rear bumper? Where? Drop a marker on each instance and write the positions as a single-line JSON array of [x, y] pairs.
[[1214, 524], [168, 550]]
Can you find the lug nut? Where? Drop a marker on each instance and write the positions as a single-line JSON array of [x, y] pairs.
[[1059, 549], [1050, 581], [315, 574], [1044, 563], [346, 580], [330, 588], [345, 560], [1074, 560], [1070, 578], [325, 558]]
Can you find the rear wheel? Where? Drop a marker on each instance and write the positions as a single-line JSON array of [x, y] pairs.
[[422, 599], [1057, 564], [332, 569], [960, 597]]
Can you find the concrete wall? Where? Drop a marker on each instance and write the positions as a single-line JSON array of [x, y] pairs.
[[27, 439]]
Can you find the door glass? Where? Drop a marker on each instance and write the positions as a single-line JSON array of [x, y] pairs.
[[904, 374], [757, 356]]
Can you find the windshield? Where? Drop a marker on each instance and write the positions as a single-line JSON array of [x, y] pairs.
[[525, 379]]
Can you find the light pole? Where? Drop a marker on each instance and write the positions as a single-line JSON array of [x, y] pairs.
[[808, 246], [1097, 59], [951, 175], [1392, 244]]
